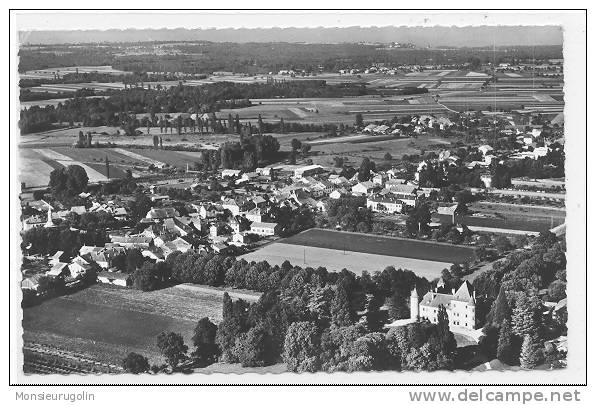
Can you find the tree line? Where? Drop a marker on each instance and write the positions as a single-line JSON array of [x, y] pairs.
[[120, 106]]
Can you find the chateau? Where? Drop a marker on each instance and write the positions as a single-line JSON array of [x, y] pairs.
[[460, 305]]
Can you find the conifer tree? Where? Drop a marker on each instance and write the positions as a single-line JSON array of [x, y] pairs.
[[260, 125], [505, 349], [500, 310], [530, 353], [525, 316], [341, 312], [447, 339]]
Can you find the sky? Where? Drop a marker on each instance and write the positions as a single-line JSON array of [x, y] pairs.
[[61, 20]]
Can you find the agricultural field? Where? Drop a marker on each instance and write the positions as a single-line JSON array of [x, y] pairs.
[[103, 134], [333, 110], [106, 323], [158, 156], [354, 149], [49, 73], [73, 87], [508, 221], [336, 250], [507, 209], [34, 170], [43, 103], [37, 163]]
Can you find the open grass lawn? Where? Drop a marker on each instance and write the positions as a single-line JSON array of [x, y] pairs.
[[106, 322], [380, 245], [117, 330]]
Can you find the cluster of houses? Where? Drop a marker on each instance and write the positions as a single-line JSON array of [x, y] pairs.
[[72, 272], [417, 125], [49, 214]]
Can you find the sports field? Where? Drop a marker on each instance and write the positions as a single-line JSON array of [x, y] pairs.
[[336, 260], [336, 250], [382, 245]]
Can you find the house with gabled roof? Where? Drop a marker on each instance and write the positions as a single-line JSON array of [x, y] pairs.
[[78, 267], [58, 270], [363, 188], [57, 257], [162, 213], [338, 193], [114, 278], [231, 205], [385, 204], [132, 241], [264, 228], [460, 306]]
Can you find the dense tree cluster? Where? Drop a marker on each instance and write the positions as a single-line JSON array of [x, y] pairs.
[[516, 326], [28, 95], [550, 166], [47, 241], [120, 107], [67, 182], [418, 346], [350, 213], [311, 320]]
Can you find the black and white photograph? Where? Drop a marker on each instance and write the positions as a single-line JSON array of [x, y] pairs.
[[269, 195]]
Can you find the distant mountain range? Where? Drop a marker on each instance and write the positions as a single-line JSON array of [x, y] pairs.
[[419, 36]]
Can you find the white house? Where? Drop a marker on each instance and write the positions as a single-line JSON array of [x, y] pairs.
[[369, 128], [230, 173], [207, 211], [115, 278], [381, 130], [384, 204], [487, 180], [264, 228], [254, 215], [162, 213], [337, 194], [460, 306], [366, 187], [484, 149], [58, 269], [232, 206]]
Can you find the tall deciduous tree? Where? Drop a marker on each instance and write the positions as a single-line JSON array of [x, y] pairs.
[[172, 346], [301, 347], [505, 347]]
